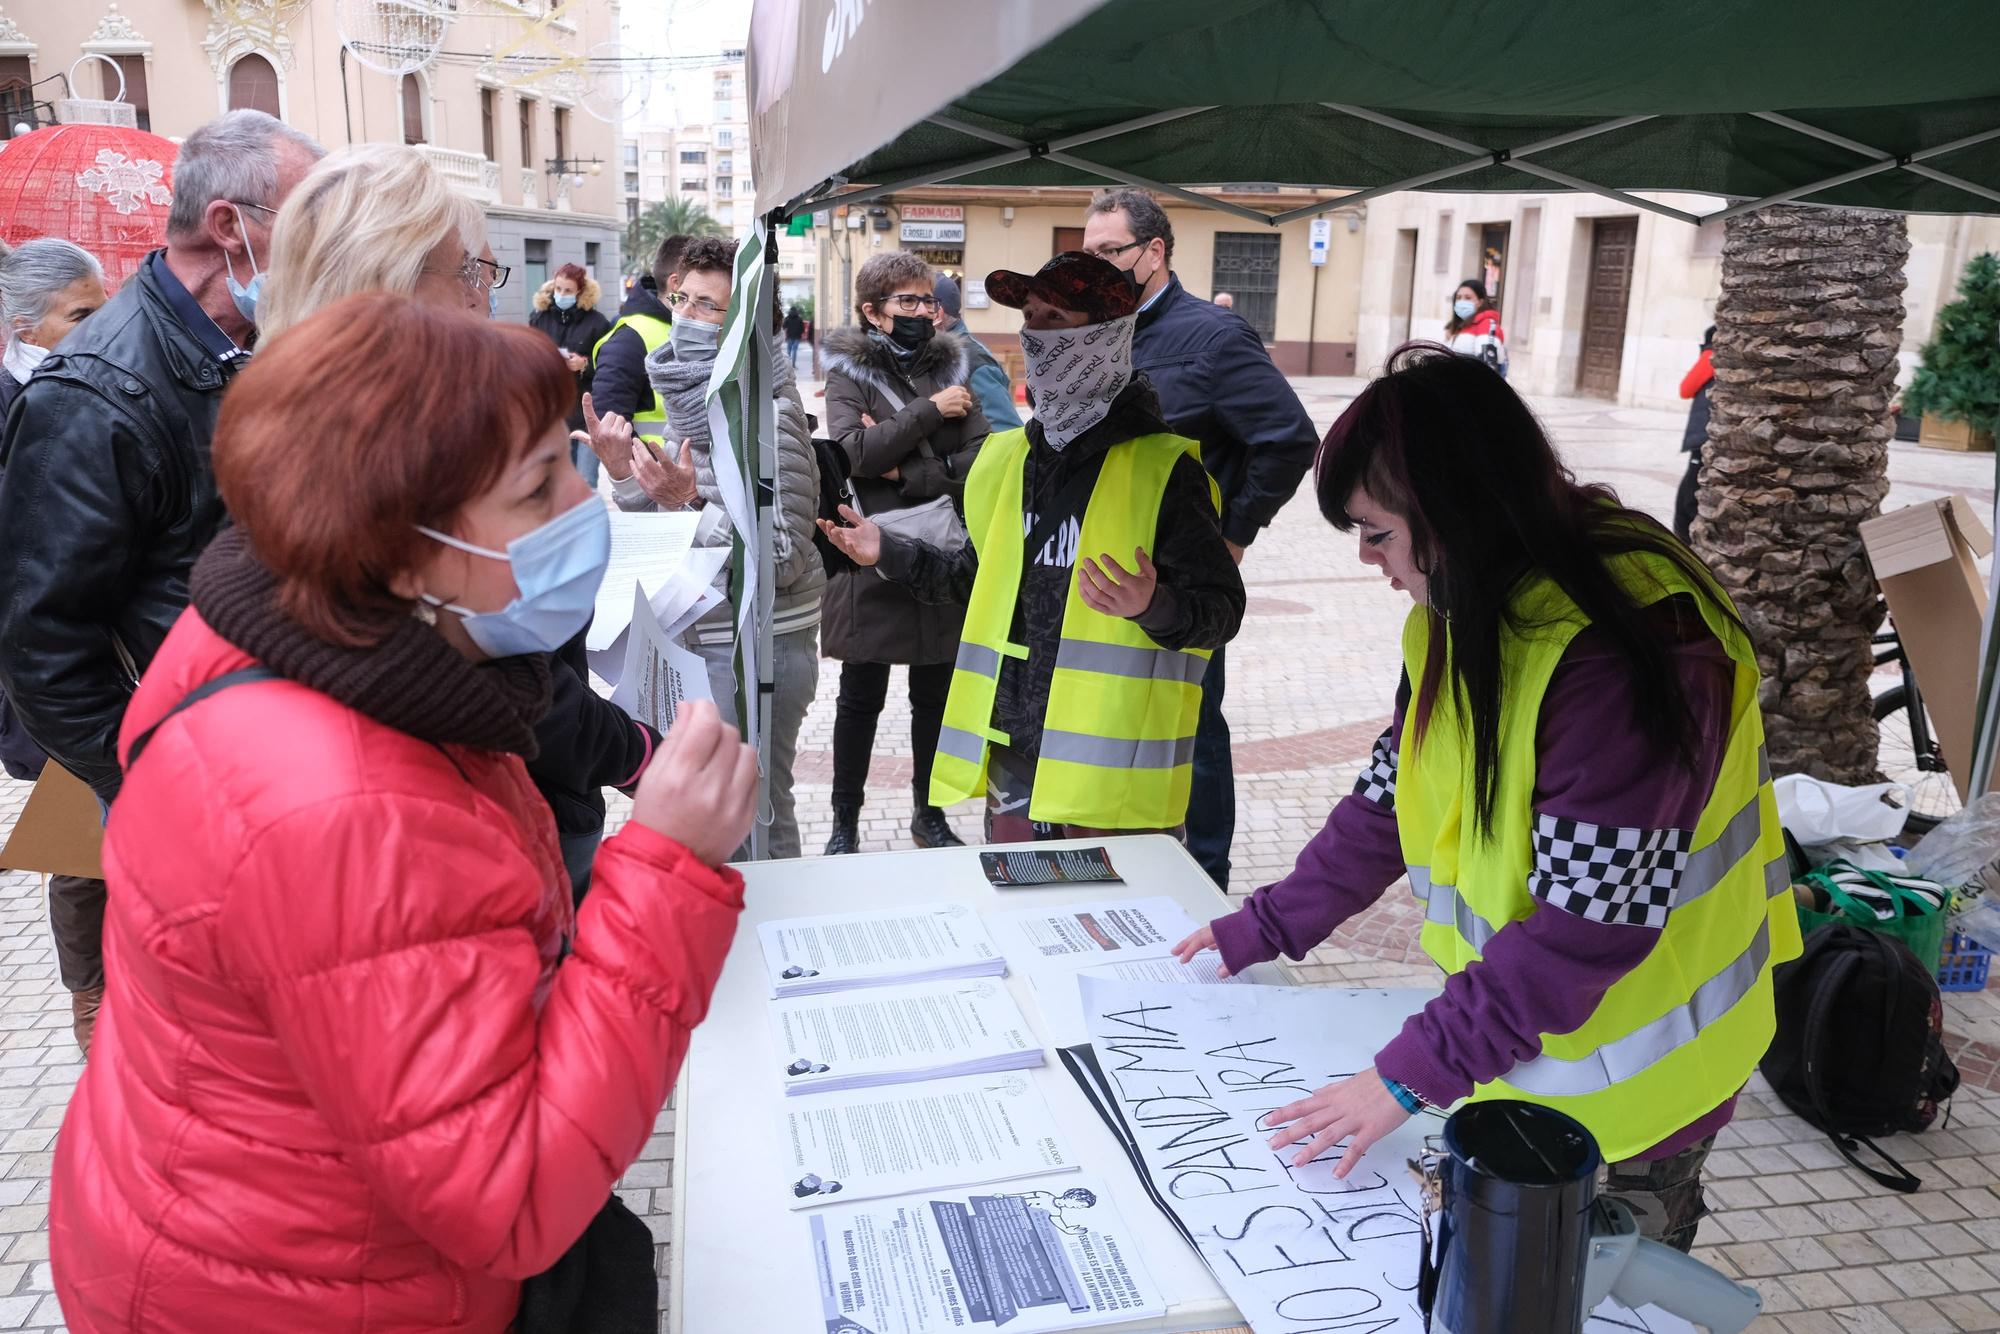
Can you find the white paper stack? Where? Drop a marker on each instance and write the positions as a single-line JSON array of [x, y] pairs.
[[934, 942], [894, 1035]]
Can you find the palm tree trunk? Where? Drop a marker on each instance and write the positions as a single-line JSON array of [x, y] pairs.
[[1806, 333]]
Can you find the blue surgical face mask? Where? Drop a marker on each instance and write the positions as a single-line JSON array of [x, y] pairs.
[[557, 567], [492, 303], [244, 296], [1464, 308], [565, 301]]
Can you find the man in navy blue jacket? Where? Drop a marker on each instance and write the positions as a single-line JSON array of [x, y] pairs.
[[1217, 385]]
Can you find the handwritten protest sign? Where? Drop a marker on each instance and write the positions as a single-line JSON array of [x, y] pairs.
[[1184, 1072]]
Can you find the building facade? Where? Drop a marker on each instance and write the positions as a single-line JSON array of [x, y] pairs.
[[1598, 299], [496, 124], [1306, 312]]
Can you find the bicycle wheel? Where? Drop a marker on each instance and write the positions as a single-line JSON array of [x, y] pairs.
[[1932, 795]]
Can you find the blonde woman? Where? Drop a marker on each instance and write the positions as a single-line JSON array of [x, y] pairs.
[[375, 218], [378, 218]]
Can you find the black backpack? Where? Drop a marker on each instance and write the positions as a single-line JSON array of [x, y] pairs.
[[833, 493], [1859, 1049]]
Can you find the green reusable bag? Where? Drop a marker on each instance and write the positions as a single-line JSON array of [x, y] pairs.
[[1919, 923]]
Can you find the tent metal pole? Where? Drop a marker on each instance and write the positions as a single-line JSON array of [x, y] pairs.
[[1587, 132], [1202, 201], [1405, 127], [1362, 197], [1915, 162], [1070, 141], [944, 171], [977, 132], [1799, 191], [1946, 178], [1578, 183]]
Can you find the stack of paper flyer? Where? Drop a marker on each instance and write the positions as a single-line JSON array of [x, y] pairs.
[[894, 1035], [1049, 1254], [867, 1143], [931, 942]]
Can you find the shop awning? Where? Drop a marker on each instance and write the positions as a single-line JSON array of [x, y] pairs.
[[1838, 102]]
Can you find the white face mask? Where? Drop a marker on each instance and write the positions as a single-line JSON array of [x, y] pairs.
[[1073, 374], [22, 357]]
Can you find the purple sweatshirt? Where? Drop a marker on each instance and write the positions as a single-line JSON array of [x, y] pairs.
[[1546, 972]]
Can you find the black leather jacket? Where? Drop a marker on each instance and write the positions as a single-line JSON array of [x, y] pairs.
[[106, 499]]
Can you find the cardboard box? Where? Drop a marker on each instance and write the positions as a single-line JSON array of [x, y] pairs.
[[1937, 433], [1926, 560], [61, 829]]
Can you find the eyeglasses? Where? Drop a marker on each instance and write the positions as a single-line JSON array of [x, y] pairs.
[[1111, 252], [261, 208], [910, 303], [700, 305], [484, 274]]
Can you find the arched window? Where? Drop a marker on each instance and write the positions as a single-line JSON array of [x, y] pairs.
[[253, 85], [413, 109]]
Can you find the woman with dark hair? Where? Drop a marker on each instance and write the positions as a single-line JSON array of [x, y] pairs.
[[1474, 327], [361, 1064], [1573, 779]]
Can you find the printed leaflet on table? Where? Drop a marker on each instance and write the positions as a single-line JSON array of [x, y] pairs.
[[1121, 938], [1182, 1075], [867, 1143], [893, 1035], [1051, 1255], [806, 956]]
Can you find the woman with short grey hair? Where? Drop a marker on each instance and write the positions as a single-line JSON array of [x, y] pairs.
[[47, 287]]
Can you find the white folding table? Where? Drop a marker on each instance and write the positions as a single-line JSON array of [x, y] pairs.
[[741, 1260]]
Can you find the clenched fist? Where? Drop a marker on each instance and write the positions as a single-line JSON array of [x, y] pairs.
[[701, 789]]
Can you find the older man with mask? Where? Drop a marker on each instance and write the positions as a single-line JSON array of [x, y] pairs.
[[1217, 385], [107, 495]]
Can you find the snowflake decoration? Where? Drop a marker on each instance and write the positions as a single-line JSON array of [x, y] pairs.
[[128, 184]]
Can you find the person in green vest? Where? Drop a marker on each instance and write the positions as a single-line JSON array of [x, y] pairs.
[[1574, 781], [619, 390], [1097, 582]]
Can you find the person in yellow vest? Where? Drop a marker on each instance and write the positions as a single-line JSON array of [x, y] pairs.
[[1574, 781], [619, 390], [1097, 578]]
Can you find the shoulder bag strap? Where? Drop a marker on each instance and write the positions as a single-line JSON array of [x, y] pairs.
[[242, 676]]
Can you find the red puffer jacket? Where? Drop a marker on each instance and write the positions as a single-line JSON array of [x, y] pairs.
[[339, 1082]]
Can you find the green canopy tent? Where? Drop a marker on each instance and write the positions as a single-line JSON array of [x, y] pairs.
[[1846, 102]]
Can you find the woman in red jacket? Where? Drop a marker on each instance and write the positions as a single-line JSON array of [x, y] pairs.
[[340, 1081]]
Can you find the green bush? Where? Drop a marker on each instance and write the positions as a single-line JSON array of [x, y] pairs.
[[1958, 378]]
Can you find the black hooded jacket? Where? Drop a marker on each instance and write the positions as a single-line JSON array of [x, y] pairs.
[[1198, 602]]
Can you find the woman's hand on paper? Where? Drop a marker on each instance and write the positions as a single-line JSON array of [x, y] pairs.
[[1202, 939], [701, 789], [1360, 1110]]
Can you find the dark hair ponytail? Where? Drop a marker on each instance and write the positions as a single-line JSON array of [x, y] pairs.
[[1442, 442]]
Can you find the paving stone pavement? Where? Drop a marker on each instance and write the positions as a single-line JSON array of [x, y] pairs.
[[1310, 685]]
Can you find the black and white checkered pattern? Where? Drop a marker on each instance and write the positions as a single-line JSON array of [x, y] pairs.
[[1608, 874], [1378, 780]]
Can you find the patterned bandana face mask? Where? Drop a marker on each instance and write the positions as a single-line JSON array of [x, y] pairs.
[[1074, 374]]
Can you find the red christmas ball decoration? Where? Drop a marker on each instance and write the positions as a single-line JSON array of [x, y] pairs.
[[105, 187]]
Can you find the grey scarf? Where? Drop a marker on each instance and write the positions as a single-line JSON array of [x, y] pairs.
[[683, 390]]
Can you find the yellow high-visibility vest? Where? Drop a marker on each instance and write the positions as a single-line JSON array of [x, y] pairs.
[[1117, 747], [651, 423], [1678, 1035]]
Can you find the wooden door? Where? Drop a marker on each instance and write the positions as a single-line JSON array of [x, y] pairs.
[[1612, 243]]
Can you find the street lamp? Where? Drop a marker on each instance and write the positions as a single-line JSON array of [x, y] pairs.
[[574, 167]]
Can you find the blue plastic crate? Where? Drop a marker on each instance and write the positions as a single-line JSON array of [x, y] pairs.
[[1964, 965]]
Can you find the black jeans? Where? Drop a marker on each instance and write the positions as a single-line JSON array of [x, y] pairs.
[[1685, 496], [1211, 817], [864, 688]]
